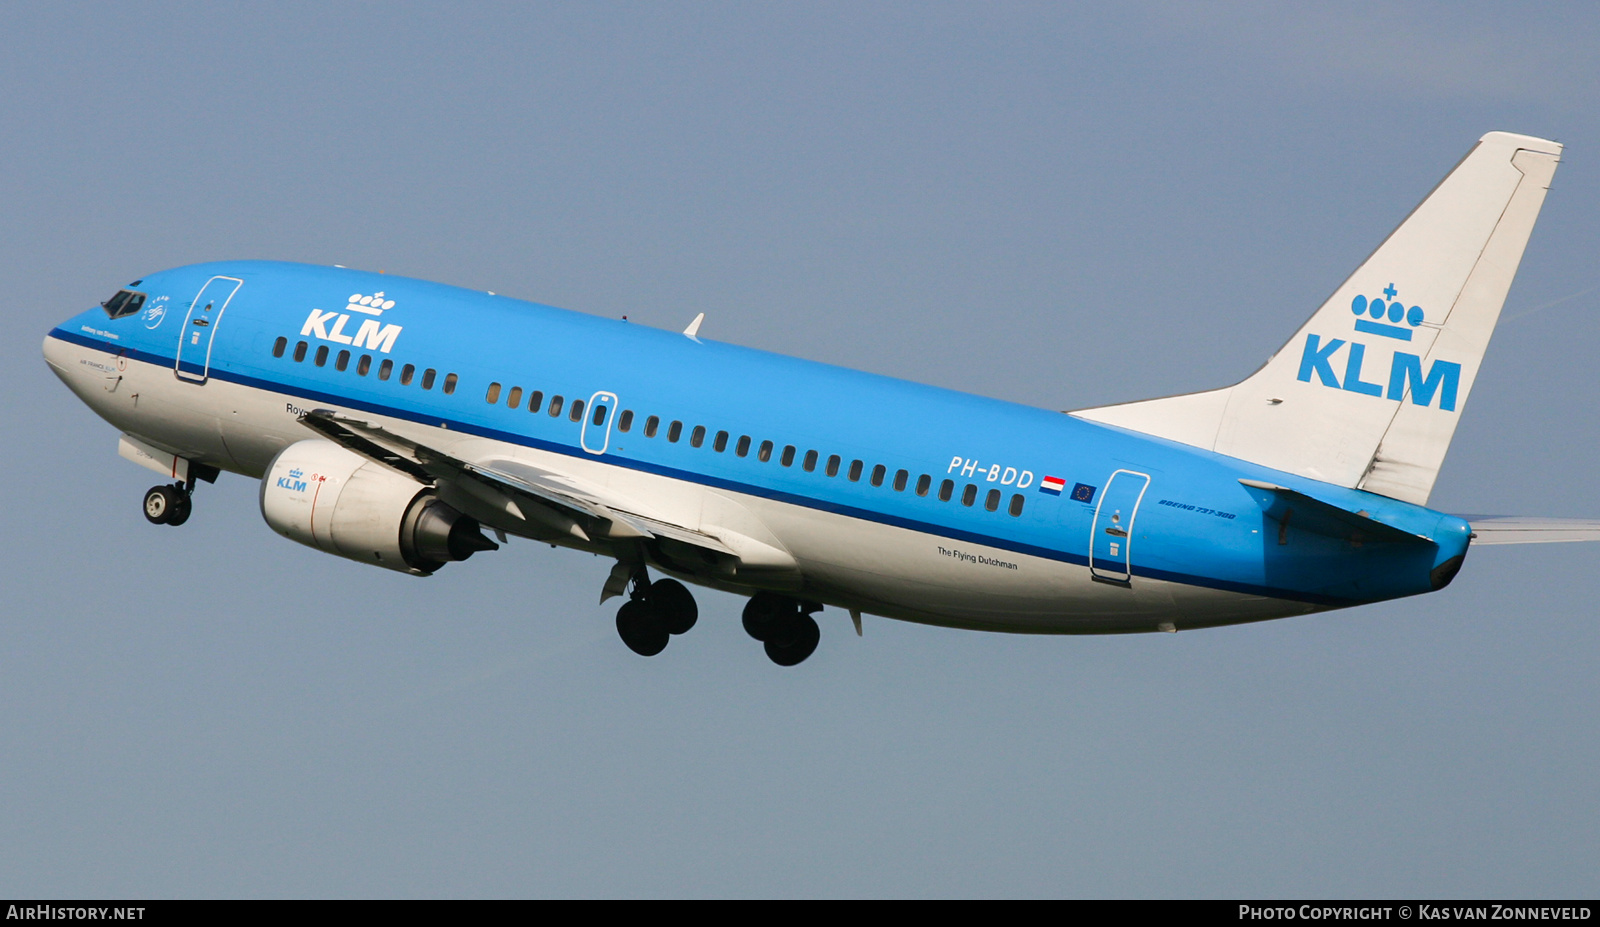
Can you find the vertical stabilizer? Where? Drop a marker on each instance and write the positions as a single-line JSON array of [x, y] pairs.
[[1367, 394]]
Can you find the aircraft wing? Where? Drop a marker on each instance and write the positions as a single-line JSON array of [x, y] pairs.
[[520, 488], [1521, 529]]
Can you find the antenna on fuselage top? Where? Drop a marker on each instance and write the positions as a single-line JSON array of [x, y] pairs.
[[693, 331]]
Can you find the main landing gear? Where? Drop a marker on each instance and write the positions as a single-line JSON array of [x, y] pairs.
[[783, 625], [653, 613], [169, 505]]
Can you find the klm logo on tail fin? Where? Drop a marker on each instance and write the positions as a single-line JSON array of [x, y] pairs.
[[1382, 318]]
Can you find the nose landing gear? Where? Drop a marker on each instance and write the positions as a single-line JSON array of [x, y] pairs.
[[655, 612], [168, 505], [784, 626], [171, 504]]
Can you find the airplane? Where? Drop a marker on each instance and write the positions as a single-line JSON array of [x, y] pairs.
[[394, 422]]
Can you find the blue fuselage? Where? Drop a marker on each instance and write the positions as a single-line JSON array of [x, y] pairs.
[[969, 476]]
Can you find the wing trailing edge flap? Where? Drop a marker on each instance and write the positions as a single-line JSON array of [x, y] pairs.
[[1308, 513], [523, 491], [1520, 529]]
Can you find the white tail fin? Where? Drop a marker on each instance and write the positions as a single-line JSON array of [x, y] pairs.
[[1368, 392]]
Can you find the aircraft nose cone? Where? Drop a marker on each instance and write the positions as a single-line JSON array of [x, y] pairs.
[[55, 354]]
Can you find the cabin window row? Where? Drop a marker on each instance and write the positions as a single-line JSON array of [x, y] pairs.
[[515, 397], [363, 365], [535, 403], [878, 475]]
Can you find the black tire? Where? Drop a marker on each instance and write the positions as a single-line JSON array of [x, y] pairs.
[[802, 644], [673, 604], [182, 507], [764, 613], [641, 629], [159, 504]]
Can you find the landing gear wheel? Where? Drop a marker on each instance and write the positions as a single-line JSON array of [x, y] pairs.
[[674, 604], [796, 640], [641, 629], [180, 510], [765, 612], [160, 503]]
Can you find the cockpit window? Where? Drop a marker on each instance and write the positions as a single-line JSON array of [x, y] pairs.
[[125, 303]]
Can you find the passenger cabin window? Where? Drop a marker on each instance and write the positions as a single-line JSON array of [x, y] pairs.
[[674, 432], [969, 495], [449, 383], [124, 304], [555, 406], [743, 447], [491, 397], [698, 436], [385, 368], [810, 461], [651, 425], [946, 489], [900, 478], [427, 378], [833, 465], [1016, 505], [625, 420], [279, 345], [765, 453], [322, 355], [721, 443], [599, 416], [577, 410], [514, 397], [923, 482], [992, 500], [535, 401], [299, 352], [363, 365], [855, 471], [342, 361], [406, 373]]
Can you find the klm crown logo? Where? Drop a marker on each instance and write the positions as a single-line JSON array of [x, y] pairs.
[[1394, 311], [371, 305], [1383, 317]]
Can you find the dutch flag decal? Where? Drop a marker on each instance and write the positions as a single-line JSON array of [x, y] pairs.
[[1052, 485]]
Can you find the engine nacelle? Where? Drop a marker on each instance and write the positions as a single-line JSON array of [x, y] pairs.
[[323, 496]]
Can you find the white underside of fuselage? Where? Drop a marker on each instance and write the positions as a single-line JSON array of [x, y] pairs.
[[847, 562]]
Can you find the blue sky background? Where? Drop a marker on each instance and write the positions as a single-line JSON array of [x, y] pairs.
[[1055, 204]]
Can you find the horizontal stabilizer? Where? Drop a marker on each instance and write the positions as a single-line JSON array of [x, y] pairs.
[[1520, 529], [1307, 513]]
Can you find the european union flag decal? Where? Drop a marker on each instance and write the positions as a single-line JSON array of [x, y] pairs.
[[1083, 492]]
